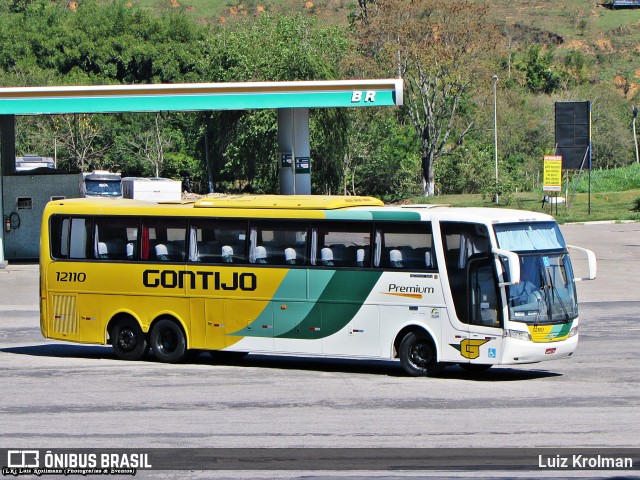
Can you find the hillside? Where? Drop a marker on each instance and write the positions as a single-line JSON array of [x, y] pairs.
[[610, 39], [549, 51], [220, 11]]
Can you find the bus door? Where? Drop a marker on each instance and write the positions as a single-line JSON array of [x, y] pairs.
[[485, 311], [471, 268]]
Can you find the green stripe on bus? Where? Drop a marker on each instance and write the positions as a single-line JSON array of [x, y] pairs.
[[399, 216], [563, 331], [348, 215], [291, 294], [336, 307]]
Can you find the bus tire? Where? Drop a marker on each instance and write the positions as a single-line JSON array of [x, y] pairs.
[[128, 340], [418, 355], [168, 341]]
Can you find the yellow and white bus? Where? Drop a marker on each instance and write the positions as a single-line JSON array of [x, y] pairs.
[[309, 275]]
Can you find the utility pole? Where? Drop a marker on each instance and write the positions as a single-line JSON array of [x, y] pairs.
[[495, 131], [635, 135]]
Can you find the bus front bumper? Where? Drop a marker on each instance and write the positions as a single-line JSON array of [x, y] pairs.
[[522, 351]]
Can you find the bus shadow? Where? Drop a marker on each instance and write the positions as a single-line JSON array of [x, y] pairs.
[[375, 367], [281, 362], [316, 364], [63, 351], [96, 352], [498, 374]]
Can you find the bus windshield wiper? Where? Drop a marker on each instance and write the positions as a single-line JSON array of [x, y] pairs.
[[564, 308], [543, 290], [554, 295]]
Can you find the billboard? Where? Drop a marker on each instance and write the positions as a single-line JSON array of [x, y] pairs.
[[573, 134]]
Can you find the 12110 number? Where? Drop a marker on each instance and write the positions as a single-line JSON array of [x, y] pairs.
[[71, 277]]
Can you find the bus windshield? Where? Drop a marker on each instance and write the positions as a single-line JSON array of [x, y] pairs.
[[546, 292], [103, 188]]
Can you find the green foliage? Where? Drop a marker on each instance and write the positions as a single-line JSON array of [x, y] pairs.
[[252, 163], [99, 44], [277, 48], [179, 165], [244, 149], [636, 205], [470, 169], [385, 156], [577, 66], [537, 66], [19, 6], [503, 188], [611, 180], [329, 139], [372, 151]]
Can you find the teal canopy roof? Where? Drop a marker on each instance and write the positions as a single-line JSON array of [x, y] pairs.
[[200, 96]]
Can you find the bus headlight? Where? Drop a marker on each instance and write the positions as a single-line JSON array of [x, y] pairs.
[[574, 331], [519, 334]]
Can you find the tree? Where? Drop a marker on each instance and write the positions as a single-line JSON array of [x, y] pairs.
[[383, 155], [152, 142], [437, 48], [539, 71], [271, 48], [81, 136]]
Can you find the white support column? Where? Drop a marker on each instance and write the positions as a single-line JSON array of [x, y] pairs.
[[293, 143]]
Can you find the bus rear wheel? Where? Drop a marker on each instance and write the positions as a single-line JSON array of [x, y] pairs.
[[128, 340], [418, 355], [168, 341]]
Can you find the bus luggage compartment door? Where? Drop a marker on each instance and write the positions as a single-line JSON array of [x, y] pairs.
[[244, 325], [64, 317]]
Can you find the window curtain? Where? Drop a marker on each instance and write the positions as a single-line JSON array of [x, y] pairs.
[[527, 237]]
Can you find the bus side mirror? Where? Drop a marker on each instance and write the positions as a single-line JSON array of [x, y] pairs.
[[512, 263], [591, 259]]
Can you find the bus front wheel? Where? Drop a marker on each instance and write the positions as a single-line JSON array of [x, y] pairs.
[[418, 355], [128, 340], [168, 341]]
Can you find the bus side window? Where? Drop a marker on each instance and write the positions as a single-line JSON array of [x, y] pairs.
[[218, 241], [281, 243], [404, 246], [70, 237], [112, 236], [344, 244], [164, 239], [59, 236]]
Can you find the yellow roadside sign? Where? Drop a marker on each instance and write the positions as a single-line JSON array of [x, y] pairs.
[[552, 177]]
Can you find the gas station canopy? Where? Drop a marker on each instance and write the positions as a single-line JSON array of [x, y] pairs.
[[200, 96], [292, 100]]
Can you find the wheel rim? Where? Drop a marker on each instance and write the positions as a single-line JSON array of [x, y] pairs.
[[168, 341], [420, 355], [127, 339]]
